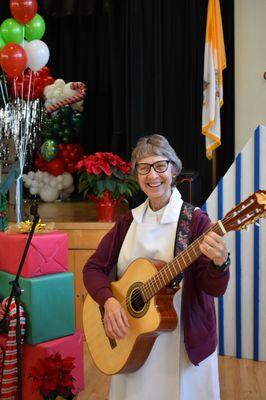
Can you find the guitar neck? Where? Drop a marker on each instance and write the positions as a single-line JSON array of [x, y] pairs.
[[170, 270]]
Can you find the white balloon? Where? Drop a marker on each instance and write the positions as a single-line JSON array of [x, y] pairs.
[[40, 184], [46, 179], [67, 180], [53, 183], [31, 174], [34, 190], [59, 83], [34, 183], [70, 189], [59, 186], [38, 175], [45, 173], [27, 182], [37, 54], [59, 178], [48, 193], [48, 90]]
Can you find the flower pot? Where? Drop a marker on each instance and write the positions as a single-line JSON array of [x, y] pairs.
[[105, 211], [105, 206]]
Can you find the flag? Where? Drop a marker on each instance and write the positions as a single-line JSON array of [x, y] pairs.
[[214, 63]]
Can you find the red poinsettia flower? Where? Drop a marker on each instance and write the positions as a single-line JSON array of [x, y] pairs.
[[51, 376], [104, 172]]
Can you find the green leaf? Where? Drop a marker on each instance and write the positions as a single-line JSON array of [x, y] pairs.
[[118, 174], [122, 188], [110, 185], [101, 186]]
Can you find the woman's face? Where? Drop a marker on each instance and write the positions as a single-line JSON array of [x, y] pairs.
[[156, 185]]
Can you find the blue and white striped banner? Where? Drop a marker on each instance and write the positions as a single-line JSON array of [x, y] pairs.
[[242, 310]]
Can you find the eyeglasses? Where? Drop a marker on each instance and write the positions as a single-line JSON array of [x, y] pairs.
[[158, 166]]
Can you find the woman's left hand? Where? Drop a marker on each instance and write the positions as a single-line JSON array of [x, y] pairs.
[[214, 247]]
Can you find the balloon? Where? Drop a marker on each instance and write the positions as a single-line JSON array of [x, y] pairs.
[[34, 190], [12, 31], [76, 120], [35, 28], [48, 193], [66, 111], [23, 10], [13, 59], [37, 54], [67, 180], [2, 42], [49, 149], [56, 167]]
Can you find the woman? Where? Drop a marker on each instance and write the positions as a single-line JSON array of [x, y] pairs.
[[183, 363]]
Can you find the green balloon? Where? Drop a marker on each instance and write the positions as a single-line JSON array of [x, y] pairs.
[[66, 111], [56, 119], [49, 149], [55, 128], [66, 139], [2, 42], [76, 120], [65, 123], [35, 28], [12, 31]]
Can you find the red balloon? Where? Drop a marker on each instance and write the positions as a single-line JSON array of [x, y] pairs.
[[40, 163], [13, 59], [23, 10], [56, 167]]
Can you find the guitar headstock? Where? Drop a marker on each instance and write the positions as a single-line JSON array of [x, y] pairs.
[[247, 212]]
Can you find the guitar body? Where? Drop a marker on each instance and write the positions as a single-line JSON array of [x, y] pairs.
[[146, 321]]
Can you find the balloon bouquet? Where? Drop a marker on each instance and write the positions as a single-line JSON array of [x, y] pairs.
[[60, 150], [23, 58]]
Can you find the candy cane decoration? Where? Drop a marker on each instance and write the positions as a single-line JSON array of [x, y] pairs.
[[9, 362], [69, 100]]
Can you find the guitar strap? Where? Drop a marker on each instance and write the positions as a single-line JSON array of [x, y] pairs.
[[182, 237]]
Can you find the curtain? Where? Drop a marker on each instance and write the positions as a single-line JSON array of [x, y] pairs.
[[142, 63]]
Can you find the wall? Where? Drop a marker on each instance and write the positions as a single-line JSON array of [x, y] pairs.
[[250, 65]]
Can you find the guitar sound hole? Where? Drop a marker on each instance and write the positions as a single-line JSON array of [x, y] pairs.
[[137, 302]]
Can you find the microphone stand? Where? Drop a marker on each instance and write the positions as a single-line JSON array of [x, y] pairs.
[[16, 292]]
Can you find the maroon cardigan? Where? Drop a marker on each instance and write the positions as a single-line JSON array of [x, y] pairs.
[[201, 283]]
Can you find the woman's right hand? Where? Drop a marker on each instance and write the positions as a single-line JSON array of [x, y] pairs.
[[115, 319]]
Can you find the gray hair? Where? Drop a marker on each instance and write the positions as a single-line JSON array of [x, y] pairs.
[[155, 145]]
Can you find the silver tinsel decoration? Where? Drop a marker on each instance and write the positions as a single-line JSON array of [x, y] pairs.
[[20, 124]]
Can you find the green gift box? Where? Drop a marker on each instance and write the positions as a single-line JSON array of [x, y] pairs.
[[48, 302]]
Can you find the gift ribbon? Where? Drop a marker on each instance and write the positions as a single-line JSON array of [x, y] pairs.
[[8, 357]]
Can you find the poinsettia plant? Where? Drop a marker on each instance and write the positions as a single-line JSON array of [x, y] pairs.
[[52, 377], [105, 175]]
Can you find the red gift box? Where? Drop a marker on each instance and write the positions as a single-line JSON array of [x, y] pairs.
[[47, 253]]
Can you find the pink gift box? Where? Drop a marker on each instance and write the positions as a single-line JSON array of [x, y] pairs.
[[68, 346], [47, 253]]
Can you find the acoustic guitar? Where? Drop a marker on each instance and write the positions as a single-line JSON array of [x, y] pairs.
[[147, 302]]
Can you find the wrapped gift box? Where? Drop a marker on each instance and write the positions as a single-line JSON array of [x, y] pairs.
[[48, 301], [68, 346], [47, 253]]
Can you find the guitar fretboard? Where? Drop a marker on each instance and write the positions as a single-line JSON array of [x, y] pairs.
[[170, 270]]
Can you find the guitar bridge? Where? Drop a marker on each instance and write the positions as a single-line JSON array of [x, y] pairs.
[[112, 342]]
